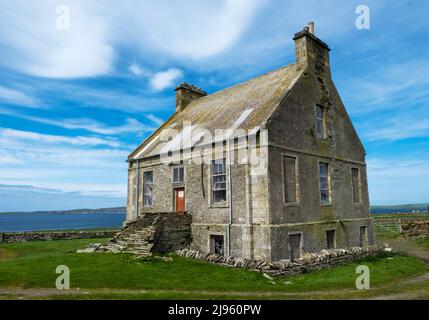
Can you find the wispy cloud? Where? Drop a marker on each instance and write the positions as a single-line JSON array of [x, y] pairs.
[[55, 139], [15, 97], [131, 125]]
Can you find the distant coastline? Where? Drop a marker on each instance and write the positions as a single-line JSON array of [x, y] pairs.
[[119, 210], [419, 207]]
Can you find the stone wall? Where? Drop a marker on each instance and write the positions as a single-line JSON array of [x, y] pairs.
[[12, 237], [309, 262], [415, 228]]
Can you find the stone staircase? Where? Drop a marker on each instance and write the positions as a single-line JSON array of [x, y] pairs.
[[152, 233]]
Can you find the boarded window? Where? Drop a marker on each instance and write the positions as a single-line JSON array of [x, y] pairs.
[[325, 194], [330, 239], [320, 121], [363, 237], [290, 179], [178, 174], [219, 180], [356, 185], [148, 188], [216, 244]]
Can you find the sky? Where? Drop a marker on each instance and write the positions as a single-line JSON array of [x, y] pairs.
[[82, 83]]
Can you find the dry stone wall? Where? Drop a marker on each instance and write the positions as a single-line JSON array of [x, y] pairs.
[[309, 262], [12, 237]]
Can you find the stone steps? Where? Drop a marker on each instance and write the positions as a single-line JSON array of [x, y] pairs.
[[136, 238]]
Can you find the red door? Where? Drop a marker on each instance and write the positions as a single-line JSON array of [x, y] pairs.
[[179, 196]]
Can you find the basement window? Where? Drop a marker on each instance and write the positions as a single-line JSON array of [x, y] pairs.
[[217, 244], [324, 183], [219, 180], [320, 121], [148, 188]]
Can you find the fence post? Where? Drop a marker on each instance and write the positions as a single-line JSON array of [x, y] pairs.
[[1, 237], [400, 225]]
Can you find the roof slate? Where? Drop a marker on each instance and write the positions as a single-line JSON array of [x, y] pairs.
[[244, 106]]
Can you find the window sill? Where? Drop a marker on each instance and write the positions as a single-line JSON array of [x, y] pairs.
[[327, 204], [219, 205], [292, 204]]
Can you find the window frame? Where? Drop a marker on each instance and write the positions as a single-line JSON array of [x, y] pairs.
[[329, 189], [321, 135], [144, 189], [359, 185], [212, 189], [178, 167], [212, 244], [297, 195]]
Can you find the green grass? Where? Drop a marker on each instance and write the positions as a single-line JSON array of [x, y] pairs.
[[33, 264], [423, 243]]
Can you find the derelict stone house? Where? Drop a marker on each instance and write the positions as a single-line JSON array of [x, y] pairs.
[[308, 189]]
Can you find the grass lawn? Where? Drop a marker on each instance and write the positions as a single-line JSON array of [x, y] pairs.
[[423, 243], [33, 264]]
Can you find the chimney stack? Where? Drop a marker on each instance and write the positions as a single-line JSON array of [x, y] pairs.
[[311, 52], [311, 27], [185, 94]]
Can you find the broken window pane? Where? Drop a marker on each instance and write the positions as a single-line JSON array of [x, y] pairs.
[[320, 121], [219, 180], [325, 196], [148, 188]]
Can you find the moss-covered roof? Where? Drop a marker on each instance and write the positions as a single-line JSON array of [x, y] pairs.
[[245, 106]]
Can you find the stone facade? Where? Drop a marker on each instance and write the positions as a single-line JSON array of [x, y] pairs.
[[255, 221]]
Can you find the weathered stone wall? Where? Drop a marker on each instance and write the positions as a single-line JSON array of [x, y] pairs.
[[12, 237], [309, 262]]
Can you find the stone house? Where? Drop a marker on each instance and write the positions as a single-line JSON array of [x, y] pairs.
[[307, 189]]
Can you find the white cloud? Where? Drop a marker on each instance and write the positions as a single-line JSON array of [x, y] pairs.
[[191, 29], [55, 139], [18, 98], [32, 44], [165, 79], [135, 69], [131, 125]]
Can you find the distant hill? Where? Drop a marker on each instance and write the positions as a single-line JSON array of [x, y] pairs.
[[400, 208], [118, 210]]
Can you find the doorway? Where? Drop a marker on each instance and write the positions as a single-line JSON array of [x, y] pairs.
[[180, 200], [295, 246], [330, 239]]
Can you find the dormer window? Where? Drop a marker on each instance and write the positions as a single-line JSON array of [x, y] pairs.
[[320, 121]]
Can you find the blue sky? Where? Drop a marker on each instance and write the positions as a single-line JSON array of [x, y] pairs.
[[74, 103]]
